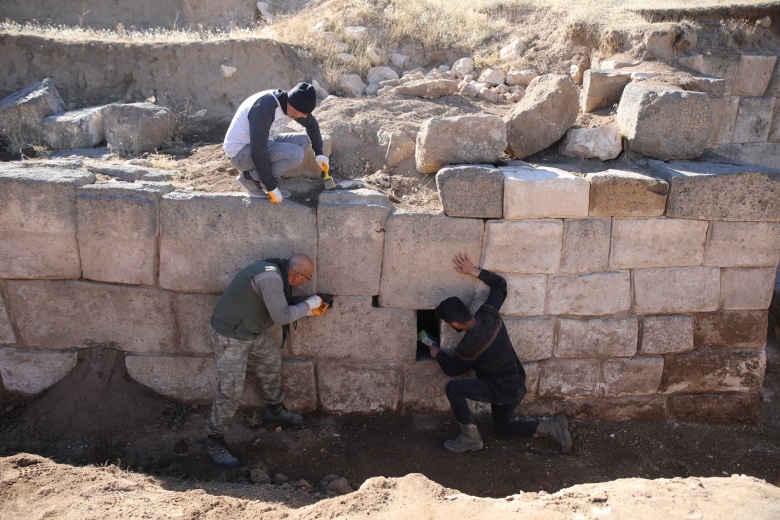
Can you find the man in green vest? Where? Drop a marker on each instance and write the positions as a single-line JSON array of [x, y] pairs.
[[258, 297]]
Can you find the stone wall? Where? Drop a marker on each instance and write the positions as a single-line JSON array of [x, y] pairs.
[[630, 295]]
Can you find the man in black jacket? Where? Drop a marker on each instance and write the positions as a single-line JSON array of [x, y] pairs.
[[487, 349]]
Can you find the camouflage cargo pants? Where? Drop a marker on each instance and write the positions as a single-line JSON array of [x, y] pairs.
[[233, 357]]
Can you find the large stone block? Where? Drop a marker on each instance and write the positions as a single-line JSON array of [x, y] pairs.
[[597, 337], [57, 314], [617, 193], [663, 123], [762, 154], [137, 127], [532, 338], [457, 186], [22, 113], [459, 140], [676, 290], [29, 372], [205, 239], [527, 294], [774, 129], [38, 222], [82, 128], [707, 371], [714, 191], [666, 334], [586, 245], [657, 242], [7, 334], [747, 288], [724, 114], [533, 372], [351, 238], [424, 388], [182, 378], [355, 331], [753, 75], [730, 329], [570, 378], [118, 225], [192, 313], [357, 388], [531, 192], [428, 88], [594, 294], [602, 88], [644, 408], [715, 408], [528, 246], [300, 385], [603, 143], [753, 120], [743, 244], [416, 272], [638, 375]]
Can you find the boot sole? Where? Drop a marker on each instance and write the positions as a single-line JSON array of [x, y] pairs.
[[464, 450]]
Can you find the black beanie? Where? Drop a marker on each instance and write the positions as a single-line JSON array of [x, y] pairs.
[[303, 98]]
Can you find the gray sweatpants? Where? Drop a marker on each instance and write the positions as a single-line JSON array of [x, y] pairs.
[[285, 152]]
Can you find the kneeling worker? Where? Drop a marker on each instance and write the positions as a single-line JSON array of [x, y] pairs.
[[487, 349], [257, 298]]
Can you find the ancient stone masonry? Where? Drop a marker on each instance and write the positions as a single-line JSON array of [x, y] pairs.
[[629, 295]]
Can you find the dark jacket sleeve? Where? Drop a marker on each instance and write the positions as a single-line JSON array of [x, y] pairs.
[[313, 131], [261, 117], [453, 366], [498, 288]]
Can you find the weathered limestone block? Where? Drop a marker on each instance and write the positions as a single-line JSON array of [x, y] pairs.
[[29, 372], [355, 331], [676, 290], [747, 288], [713, 191], [724, 113], [543, 193], [415, 247], [525, 246], [743, 244], [532, 338], [397, 145], [471, 191], [592, 294], [457, 140], [7, 334], [774, 129], [657, 242], [56, 314], [652, 408], [533, 372], [428, 88], [616, 193], [665, 123], [570, 378], [182, 378], [309, 168], [715, 408], [548, 109], [424, 388], [707, 370], [638, 375], [602, 88], [117, 230], [380, 74], [82, 128], [351, 238], [753, 120], [204, 237], [192, 313], [299, 384], [753, 75], [137, 127], [38, 222], [666, 334], [597, 337], [122, 172], [526, 294], [762, 154], [586, 245], [22, 113], [462, 67], [603, 143], [730, 329], [357, 388]]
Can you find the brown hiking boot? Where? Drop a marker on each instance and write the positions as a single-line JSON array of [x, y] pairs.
[[468, 440]]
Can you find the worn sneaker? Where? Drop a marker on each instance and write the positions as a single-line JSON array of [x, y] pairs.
[[278, 413], [558, 429], [468, 440], [219, 453], [251, 186], [285, 193]]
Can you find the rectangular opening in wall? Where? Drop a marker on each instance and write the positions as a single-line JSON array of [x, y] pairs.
[[426, 321]]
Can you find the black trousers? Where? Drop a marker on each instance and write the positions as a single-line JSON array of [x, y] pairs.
[[502, 405]]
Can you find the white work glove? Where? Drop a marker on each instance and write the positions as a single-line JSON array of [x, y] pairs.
[[276, 196], [322, 162], [313, 302]]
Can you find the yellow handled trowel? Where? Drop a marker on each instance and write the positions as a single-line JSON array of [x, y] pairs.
[[327, 179]]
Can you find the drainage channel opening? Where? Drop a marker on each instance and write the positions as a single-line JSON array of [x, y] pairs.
[[427, 321]]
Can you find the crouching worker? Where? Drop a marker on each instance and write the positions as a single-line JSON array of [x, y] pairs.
[[487, 349], [258, 297]]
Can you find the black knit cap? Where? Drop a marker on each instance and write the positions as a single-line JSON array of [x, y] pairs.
[[303, 98]]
